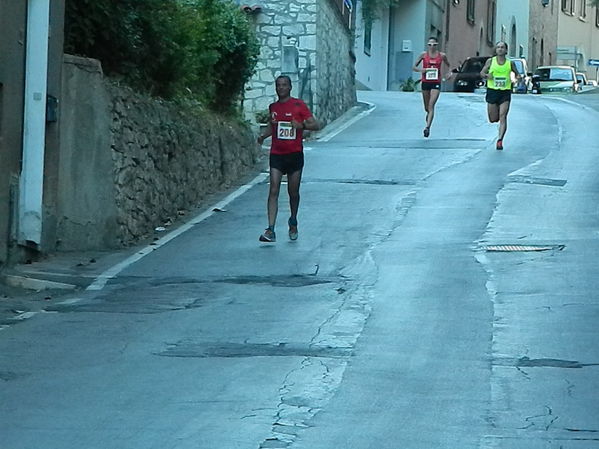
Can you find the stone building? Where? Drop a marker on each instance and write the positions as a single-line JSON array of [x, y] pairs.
[[312, 42], [542, 33]]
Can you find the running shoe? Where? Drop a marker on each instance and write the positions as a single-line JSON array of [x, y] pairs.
[[426, 132], [499, 144], [292, 229], [268, 236]]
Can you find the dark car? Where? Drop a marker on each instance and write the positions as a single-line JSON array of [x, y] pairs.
[[467, 77]]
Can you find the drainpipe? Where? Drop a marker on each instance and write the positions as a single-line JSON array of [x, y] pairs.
[[34, 123]]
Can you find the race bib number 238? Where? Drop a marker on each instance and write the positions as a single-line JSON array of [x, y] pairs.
[[432, 74], [500, 82], [285, 131]]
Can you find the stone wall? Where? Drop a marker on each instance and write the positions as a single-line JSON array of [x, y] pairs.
[[306, 40], [335, 87], [131, 163], [167, 160], [280, 26]]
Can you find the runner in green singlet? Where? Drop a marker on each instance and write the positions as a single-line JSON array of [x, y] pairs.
[[498, 73]]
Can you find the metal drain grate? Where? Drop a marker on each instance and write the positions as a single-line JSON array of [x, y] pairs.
[[522, 248]]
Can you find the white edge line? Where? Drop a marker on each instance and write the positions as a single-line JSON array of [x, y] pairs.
[[100, 281], [350, 122]]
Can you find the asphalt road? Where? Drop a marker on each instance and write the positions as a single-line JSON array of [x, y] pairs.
[[391, 323]]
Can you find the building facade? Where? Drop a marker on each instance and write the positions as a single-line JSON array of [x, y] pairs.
[[578, 35], [387, 50], [512, 26], [372, 50], [542, 33], [470, 29]]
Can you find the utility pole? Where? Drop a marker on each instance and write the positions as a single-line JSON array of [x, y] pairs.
[[34, 124]]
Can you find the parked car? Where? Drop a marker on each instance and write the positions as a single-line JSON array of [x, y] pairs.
[[525, 83], [557, 78], [581, 78], [584, 81], [467, 78]]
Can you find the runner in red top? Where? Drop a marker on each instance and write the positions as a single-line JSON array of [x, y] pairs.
[[432, 75], [288, 118]]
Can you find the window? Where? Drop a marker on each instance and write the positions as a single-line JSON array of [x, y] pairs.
[[367, 37], [597, 17], [568, 6], [345, 8], [491, 14], [470, 11], [583, 9]]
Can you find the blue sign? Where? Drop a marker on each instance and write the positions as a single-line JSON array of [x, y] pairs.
[[594, 62]]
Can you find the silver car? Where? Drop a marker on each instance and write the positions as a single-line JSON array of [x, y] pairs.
[[557, 78]]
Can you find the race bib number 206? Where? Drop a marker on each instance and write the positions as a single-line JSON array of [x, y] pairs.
[[285, 131]]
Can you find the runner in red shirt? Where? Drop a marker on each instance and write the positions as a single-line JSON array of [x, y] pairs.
[[432, 65], [289, 117]]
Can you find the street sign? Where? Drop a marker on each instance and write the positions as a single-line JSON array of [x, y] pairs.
[[594, 62]]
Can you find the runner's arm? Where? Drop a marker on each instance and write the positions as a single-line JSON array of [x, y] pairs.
[[484, 73], [515, 70], [267, 133], [311, 124], [415, 68], [446, 61]]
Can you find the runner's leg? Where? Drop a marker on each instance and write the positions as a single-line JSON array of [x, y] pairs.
[[293, 188], [433, 97], [426, 98], [493, 111], [273, 195], [504, 108]]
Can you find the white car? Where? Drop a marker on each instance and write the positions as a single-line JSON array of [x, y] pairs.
[[557, 78]]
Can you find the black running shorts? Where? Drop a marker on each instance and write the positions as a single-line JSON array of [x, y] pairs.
[[496, 96], [287, 163], [431, 86]]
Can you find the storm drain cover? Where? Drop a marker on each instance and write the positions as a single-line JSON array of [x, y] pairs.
[[522, 248]]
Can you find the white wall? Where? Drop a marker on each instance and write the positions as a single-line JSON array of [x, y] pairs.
[[371, 70], [513, 12], [408, 24]]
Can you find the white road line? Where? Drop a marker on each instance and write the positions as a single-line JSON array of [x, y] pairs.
[[110, 273], [350, 122]]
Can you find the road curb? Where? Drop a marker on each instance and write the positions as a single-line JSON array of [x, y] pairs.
[[36, 284]]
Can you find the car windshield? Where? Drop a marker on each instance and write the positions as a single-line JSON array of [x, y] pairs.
[[555, 74], [472, 65], [519, 66]]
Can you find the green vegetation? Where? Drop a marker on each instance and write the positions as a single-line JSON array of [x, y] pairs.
[[205, 50], [408, 85]]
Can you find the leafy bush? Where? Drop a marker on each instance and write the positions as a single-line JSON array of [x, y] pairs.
[[408, 85], [205, 49]]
